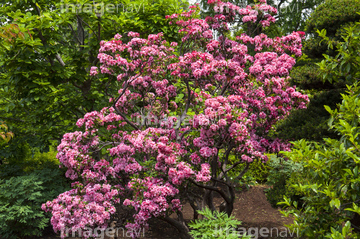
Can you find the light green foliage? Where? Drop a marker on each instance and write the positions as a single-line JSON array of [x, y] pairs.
[[258, 171], [254, 173], [345, 65], [21, 198], [215, 225], [331, 178], [282, 173], [346, 233]]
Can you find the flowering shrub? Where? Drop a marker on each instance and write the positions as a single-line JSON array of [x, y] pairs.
[[204, 100]]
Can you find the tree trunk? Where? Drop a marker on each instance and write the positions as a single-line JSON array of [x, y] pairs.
[[180, 226]]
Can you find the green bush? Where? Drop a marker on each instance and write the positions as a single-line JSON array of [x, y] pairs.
[[26, 182], [281, 174], [258, 171], [310, 123], [21, 198], [333, 14], [19, 207], [215, 225], [330, 176], [27, 161]]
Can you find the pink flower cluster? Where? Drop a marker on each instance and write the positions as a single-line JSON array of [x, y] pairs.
[[90, 206], [152, 199]]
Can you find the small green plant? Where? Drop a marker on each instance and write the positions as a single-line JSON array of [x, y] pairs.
[[19, 203], [346, 233], [215, 225]]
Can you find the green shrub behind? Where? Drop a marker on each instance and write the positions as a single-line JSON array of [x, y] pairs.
[[25, 184], [331, 176], [281, 174], [21, 198]]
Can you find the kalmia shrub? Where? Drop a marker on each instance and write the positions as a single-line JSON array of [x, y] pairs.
[[203, 100]]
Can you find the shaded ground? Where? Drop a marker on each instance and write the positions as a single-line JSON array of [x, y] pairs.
[[251, 207]]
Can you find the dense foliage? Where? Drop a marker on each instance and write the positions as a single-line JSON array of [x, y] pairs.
[[21, 198], [282, 174], [345, 65], [181, 111], [331, 180], [330, 17], [46, 51]]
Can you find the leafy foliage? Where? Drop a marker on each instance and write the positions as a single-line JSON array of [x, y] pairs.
[[258, 171], [21, 198], [332, 15], [310, 123], [215, 225], [346, 64], [47, 49], [5, 135], [331, 174]]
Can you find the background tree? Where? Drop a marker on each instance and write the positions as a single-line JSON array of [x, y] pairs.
[[311, 123], [46, 51], [330, 181]]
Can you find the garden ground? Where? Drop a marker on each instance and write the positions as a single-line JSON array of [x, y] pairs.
[[251, 207]]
